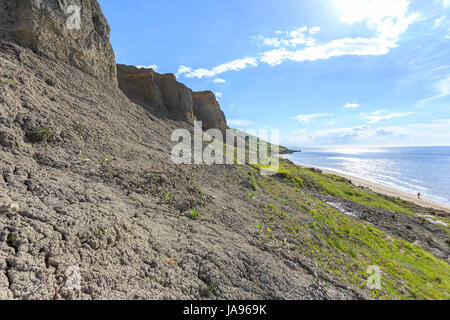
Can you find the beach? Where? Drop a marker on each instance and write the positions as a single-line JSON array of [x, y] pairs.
[[388, 191]]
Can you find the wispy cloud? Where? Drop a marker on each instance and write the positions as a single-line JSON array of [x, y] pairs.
[[218, 95], [442, 89], [437, 132], [226, 67], [378, 118], [314, 30], [291, 38], [150, 66], [240, 123], [439, 21], [219, 80], [308, 117], [352, 105]]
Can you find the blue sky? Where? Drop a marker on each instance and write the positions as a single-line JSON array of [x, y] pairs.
[[323, 72]]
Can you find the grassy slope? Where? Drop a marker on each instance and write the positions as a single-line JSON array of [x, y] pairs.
[[344, 247], [270, 146]]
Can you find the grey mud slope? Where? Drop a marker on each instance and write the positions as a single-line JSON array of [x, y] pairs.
[[102, 194]]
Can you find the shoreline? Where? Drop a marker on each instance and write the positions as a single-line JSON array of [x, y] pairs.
[[379, 188]]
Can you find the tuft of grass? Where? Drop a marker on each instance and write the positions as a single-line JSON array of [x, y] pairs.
[[195, 214], [106, 160], [82, 160], [39, 134], [11, 240], [167, 196], [254, 185], [11, 82], [259, 227]]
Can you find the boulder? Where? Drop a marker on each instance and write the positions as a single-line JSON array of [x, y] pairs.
[[75, 32]]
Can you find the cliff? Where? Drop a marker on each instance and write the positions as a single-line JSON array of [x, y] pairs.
[[207, 110], [55, 30], [162, 94], [88, 189]]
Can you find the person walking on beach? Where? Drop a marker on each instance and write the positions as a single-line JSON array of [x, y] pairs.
[[418, 195]]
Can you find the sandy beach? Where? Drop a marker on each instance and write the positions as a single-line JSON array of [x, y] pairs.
[[388, 191]]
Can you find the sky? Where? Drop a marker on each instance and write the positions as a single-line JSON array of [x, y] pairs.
[[323, 72]]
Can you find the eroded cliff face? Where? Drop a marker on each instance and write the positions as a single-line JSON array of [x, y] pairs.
[[207, 110], [162, 94], [74, 32]]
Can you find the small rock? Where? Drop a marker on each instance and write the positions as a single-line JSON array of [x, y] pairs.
[[10, 207]]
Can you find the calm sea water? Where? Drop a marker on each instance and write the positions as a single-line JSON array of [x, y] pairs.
[[409, 169]]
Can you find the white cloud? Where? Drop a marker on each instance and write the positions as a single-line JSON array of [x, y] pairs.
[[151, 66], [218, 94], [446, 3], [335, 48], [240, 123], [232, 106], [379, 118], [442, 89], [292, 38], [341, 136], [219, 80], [231, 66], [299, 131], [352, 105], [439, 21], [314, 30], [183, 70], [387, 18], [436, 132], [308, 117]]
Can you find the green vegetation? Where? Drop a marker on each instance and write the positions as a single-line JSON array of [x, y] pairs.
[[337, 186], [345, 247], [39, 134], [83, 159], [11, 82], [106, 160], [195, 214], [260, 142], [167, 196], [11, 240]]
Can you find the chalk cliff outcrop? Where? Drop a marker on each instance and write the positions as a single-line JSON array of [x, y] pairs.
[[207, 110], [74, 32], [163, 95], [160, 94]]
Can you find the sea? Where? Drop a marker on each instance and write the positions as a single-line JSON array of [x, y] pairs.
[[409, 169]]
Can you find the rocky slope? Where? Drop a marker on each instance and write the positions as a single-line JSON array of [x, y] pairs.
[[87, 183]]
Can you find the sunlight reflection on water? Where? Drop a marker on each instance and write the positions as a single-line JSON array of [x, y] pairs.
[[411, 169]]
